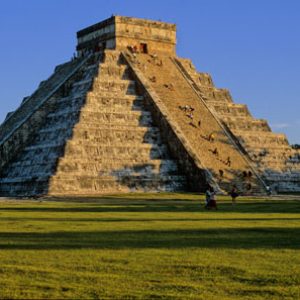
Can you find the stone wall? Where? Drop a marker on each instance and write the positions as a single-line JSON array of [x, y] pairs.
[[120, 32], [159, 36]]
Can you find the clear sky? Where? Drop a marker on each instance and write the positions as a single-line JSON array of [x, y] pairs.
[[251, 47]]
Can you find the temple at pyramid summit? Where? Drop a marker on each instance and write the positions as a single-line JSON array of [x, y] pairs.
[[128, 115]]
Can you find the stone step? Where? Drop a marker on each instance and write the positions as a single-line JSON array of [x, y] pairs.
[[81, 143], [146, 177], [93, 97], [80, 149], [228, 105], [104, 128], [250, 145], [226, 109], [114, 104], [214, 94], [74, 103], [84, 82], [111, 81], [49, 145], [136, 118], [36, 171], [277, 167], [269, 159], [41, 177], [142, 135], [87, 111], [283, 164], [87, 182], [89, 74], [57, 136], [117, 175], [285, 176], [98, 161], [125, 109], [108, 70], [278, 150], [122, 87], [63, 112], [112, 56], [104, 165], [83, 127], [78, 89], [267, 139], [245, 124], [29, 188], [62, 121], [88, 168], [94, 185], [84, 184], [264, 134], [115, 150], [39, 156], [285, 187], [113, 66], [93, 67], [68, 99], [112, 126], [86, 126], [120, 167]]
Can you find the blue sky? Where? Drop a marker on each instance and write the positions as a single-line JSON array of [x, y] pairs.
[[251, 47]]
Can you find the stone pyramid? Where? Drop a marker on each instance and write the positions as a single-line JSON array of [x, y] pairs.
[[128, 115]]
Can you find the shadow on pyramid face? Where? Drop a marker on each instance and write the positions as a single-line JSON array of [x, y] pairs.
[[99, 132], [30, 171]]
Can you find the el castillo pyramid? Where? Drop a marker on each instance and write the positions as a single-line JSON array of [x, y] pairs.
[[126, 114]]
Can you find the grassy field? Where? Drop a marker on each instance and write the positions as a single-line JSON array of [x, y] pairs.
[[150, 246]]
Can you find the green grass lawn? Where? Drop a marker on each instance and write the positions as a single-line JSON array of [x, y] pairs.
[[150, 246]]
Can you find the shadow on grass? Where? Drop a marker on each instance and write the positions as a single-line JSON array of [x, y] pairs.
[[235, 238], [130, 220], [291, 207]]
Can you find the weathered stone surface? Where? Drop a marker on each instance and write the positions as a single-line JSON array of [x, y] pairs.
[[98, 138], [128, 115]]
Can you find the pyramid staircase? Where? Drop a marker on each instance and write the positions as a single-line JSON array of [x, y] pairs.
[[99, 138], [173, 91]]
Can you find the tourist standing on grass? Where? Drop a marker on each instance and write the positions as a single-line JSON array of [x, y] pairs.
[[207, 197], [213, 200], [234, 194], [212, 203]]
